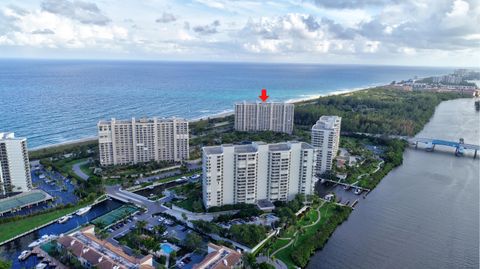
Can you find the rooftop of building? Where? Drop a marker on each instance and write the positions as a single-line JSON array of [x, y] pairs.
[[9, 136], [23, 199], [249, 148], [264, 103], [326, 122], [265, 205], [100, 253], [219, 257], [141, 120], [253, 147], [279, 147]]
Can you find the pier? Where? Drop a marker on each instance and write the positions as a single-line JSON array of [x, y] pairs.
[[459, 146], [345, 184], [47, 259]]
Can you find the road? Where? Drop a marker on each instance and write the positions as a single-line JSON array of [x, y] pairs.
[[152, 208], [192, 166], [76, 169]]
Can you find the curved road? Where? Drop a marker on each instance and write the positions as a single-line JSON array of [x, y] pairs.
[[76, 169]]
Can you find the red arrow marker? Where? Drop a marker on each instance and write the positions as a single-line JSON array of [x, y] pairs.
[[264, 95]]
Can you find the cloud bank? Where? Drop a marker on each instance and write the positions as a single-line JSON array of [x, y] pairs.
[[430, 32]]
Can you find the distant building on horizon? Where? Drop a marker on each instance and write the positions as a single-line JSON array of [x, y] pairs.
[[268, 116], [248, 173], [142, 140], [14, 164], [326, 140]]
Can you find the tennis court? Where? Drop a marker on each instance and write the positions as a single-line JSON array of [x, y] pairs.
[[22, 200], [115, 215]]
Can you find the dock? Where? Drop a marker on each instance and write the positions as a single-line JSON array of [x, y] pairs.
[[345, 184], [52, 262]]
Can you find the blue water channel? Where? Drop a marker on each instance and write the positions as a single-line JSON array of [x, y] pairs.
[[11, 250]]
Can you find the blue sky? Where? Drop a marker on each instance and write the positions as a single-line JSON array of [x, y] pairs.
[[412, 32]]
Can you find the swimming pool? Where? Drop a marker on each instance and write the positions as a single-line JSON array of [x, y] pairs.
[[166, 248]]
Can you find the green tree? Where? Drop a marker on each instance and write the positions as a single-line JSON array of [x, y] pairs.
[[249, 261], [197, 206], [248, 234], [141, 224], [265, 265], [159, 229], [172, 257], [192, 241]]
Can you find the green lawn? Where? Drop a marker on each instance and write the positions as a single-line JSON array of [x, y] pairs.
[[14, 228], [86, 169], [193, 193], [310, 217], [284, 255]]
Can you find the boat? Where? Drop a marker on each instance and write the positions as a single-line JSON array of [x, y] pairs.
[[182, 179], [41, 240], [83, 210], [357, 191], [24, 255], [64, 218], [41, 266]]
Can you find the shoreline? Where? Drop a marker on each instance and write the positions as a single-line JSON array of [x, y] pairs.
[[218, 115], [316, 257]]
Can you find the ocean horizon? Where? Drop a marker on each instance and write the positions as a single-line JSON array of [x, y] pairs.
[[55, 101]]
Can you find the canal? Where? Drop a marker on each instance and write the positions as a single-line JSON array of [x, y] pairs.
[[425, 213], [11, 250]]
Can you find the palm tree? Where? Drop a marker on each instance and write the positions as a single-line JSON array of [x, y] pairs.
[[141, 224], [249, 260]]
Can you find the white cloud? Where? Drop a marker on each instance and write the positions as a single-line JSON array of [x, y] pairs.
[[459, 8], [295, 30], [62, 32]]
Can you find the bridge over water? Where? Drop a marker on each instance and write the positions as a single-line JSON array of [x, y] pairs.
[[459, 146]]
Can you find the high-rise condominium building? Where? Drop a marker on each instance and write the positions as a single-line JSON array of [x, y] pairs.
[[326, 139], [14, 164], [142, 140], [276, 117], [247, 173]]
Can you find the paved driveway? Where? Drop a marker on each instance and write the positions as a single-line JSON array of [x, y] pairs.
[[76, 169]]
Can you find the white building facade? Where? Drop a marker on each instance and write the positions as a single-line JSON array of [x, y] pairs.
[[142, 140], [276, 117], [248, 173], [14, 164], [326, 140]]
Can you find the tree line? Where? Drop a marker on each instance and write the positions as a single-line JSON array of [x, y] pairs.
[[376, 110]]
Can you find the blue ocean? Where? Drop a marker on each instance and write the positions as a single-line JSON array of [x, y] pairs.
[[52, 102]]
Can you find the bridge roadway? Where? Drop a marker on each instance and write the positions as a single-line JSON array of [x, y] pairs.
[[444, 143], [415, 141]]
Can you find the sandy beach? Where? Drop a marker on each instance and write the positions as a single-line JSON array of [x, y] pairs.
[[215, 116]]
